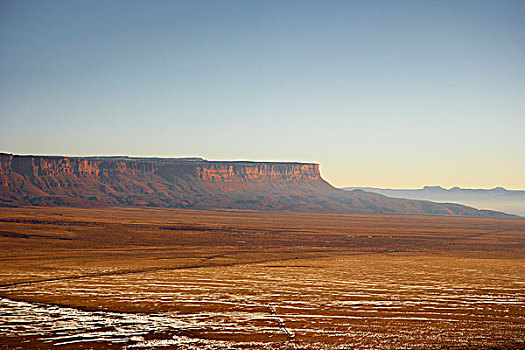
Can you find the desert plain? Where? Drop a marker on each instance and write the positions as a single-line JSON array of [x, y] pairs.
[[233, 279]]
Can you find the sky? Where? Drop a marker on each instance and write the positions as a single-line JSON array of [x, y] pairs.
[[396, 94]]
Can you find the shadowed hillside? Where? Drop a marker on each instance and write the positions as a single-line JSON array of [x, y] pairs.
[[498, 198], [193, 183]]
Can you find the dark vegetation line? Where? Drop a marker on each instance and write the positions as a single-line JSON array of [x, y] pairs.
[[10, 234], [156, 269], [171, 227], [147, 270], [479, 235]]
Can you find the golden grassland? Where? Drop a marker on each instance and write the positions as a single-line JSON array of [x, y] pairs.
[[253, 279]]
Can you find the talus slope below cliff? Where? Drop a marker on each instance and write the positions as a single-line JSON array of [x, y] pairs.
[[192, 183]]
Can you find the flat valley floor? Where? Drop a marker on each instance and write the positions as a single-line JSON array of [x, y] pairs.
[[185, 279]]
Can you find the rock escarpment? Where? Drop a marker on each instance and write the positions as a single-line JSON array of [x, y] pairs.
[[199, 168], [191, 183], [163, 182]]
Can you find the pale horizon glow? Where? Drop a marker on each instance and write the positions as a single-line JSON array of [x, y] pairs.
[[384, 94]]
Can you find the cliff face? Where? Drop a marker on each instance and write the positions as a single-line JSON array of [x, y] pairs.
[[167, 168], [191, 183], [46, 166], [258, 172]]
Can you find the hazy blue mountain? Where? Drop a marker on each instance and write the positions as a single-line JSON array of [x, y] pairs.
[[498, 198]]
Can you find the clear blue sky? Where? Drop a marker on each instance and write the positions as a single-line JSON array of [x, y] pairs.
[[380, 93]]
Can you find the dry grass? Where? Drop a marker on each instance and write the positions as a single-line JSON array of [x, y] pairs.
[[249, 279]]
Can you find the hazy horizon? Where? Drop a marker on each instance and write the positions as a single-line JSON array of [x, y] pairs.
[[381, 94], [434, 185], [499, 199]]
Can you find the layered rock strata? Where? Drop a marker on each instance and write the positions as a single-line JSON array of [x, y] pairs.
[[198, 168]]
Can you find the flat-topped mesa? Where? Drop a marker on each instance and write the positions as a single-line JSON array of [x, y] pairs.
[[168, 168], [192, 183]]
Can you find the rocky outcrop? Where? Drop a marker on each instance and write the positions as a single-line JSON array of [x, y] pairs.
[[46, 166], [192, 183], [220, 171]]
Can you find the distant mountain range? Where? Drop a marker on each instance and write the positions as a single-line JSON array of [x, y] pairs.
[[498, 198], [194, 183]]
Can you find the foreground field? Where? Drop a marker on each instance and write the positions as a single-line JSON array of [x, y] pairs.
[[130, 278]]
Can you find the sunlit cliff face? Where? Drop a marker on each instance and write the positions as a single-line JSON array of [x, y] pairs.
[[259, 172], [204, 170]]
